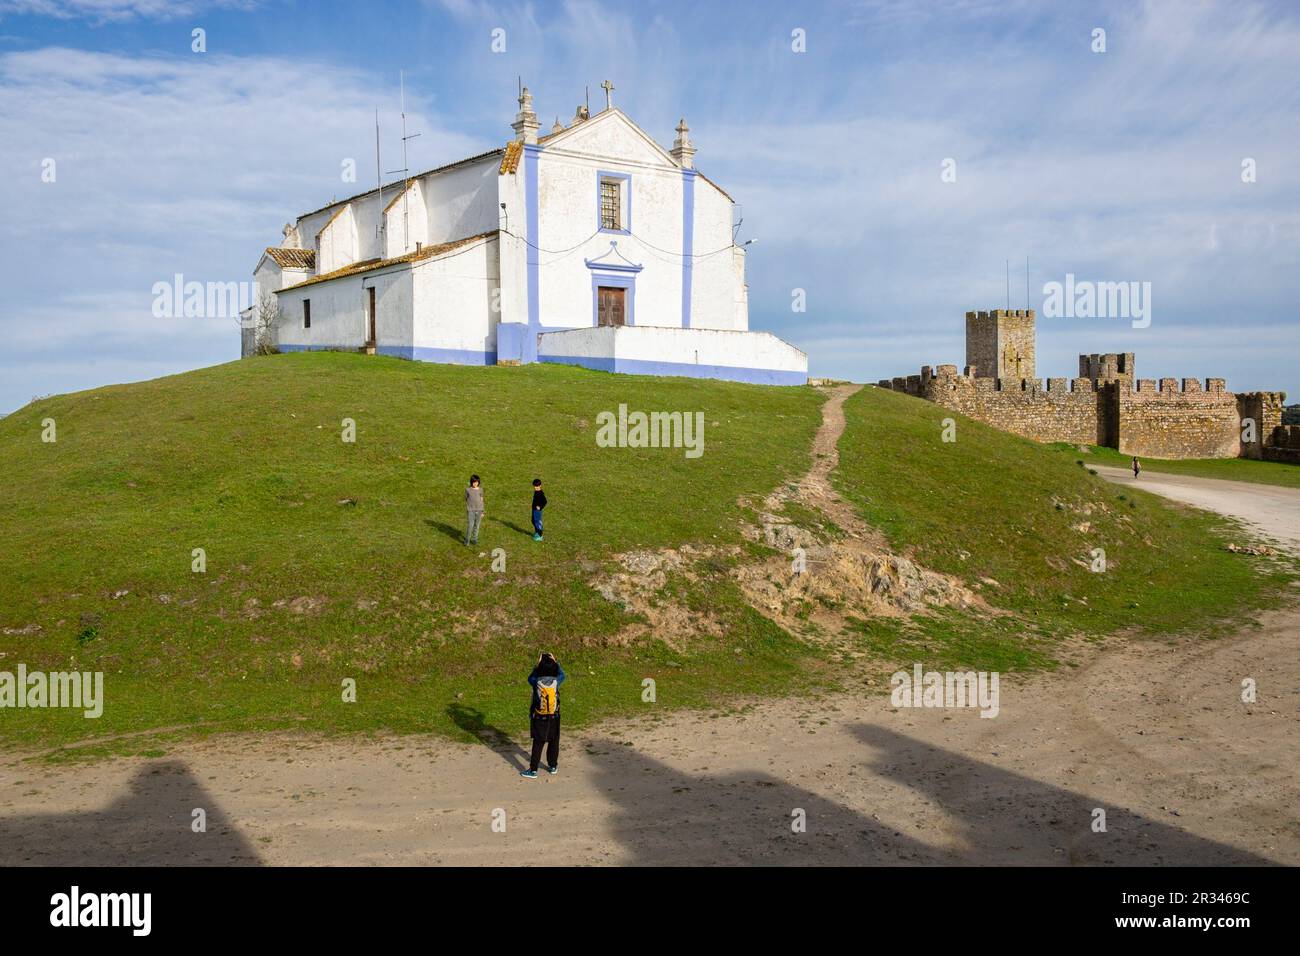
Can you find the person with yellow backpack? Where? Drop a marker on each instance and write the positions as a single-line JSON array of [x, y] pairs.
[[544, 713]]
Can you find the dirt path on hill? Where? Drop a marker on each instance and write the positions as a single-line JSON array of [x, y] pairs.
[[1152, 733], [1271, 511]]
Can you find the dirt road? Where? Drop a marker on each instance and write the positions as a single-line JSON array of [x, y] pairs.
[[1153, 735], [1271, 511]]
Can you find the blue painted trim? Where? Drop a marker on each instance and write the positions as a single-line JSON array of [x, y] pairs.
[[610, 267], [414, 353], [726, 373], [510, 341], [424, 353], [624, 208], [616, 282], [613, 265], [533, 233], [688, 242]]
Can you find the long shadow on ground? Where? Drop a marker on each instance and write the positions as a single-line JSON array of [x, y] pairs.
[[665, 817], [150, 825], [497, 740]]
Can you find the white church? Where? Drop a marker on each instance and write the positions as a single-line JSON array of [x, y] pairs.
[[591, 245]]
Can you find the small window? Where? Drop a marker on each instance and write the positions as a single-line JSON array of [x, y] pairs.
[[611, 204], [306, 313]]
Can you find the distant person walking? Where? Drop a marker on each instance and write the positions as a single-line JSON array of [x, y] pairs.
[[473, 509], [1137, 467], [544, 714], [539, 502]]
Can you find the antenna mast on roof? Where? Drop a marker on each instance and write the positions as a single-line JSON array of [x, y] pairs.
[[405, 171], [379, 181]]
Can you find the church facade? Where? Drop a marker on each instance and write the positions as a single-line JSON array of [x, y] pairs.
[[591, 245]]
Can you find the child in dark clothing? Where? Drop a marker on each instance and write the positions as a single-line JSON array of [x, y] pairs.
[[539, 502], [544, 714]]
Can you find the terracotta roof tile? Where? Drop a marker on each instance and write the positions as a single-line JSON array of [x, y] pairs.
[[292, 258], [368, 265], [510, 158]]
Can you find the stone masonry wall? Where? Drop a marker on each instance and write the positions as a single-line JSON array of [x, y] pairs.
[[1166, 421], [1265, 410], [1000, 343], [1285, 444], [1106, 405], [1056, 410]]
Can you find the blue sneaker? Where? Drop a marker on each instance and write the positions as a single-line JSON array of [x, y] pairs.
[[536, 536], [552, 770], [530, 774]]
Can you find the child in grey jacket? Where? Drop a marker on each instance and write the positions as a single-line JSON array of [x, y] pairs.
[[473, 509]]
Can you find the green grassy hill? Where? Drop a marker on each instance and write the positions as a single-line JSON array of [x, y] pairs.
[[1021, 520], [328, 560]]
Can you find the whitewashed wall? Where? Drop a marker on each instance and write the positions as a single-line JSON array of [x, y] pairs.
[[406, 223], [568, 207], [512, 251], [714, 288], [338, 242], [453, 305], [338, 312], [706, 353], [463, 201]]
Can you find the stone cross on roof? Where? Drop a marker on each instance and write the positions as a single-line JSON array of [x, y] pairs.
[[608, 87]]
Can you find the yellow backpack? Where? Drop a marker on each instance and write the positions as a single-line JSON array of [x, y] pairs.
[[548, 697]]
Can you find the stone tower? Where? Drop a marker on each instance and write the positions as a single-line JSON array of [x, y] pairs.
[[1000, 343]]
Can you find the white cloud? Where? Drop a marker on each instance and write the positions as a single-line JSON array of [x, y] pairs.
[[166, 165], [109, 11]]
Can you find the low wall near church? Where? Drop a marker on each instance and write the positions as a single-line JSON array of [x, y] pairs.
[[758, 357]]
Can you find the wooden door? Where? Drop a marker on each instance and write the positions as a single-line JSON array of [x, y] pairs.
[[370, 319], [611, 306]]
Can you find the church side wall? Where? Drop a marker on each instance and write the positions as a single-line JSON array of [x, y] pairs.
[[512, 252], [338, 313], [714, 282], [464, 202], [454, 321]]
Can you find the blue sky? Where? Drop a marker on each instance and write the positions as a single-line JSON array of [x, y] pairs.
[[1117, 166]]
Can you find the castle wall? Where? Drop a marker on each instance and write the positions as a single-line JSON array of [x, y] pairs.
[[1108, 367], [1166, 421], [1106, 405], [1265, 410], [1055, 410], [1284, 444]]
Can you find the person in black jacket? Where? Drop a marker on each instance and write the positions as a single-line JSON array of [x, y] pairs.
[[544, 714], [539, 502]]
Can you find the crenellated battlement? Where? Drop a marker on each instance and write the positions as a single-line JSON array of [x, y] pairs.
[[1106, 404], [994, 314], [1107, 366], [1150, 388]]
